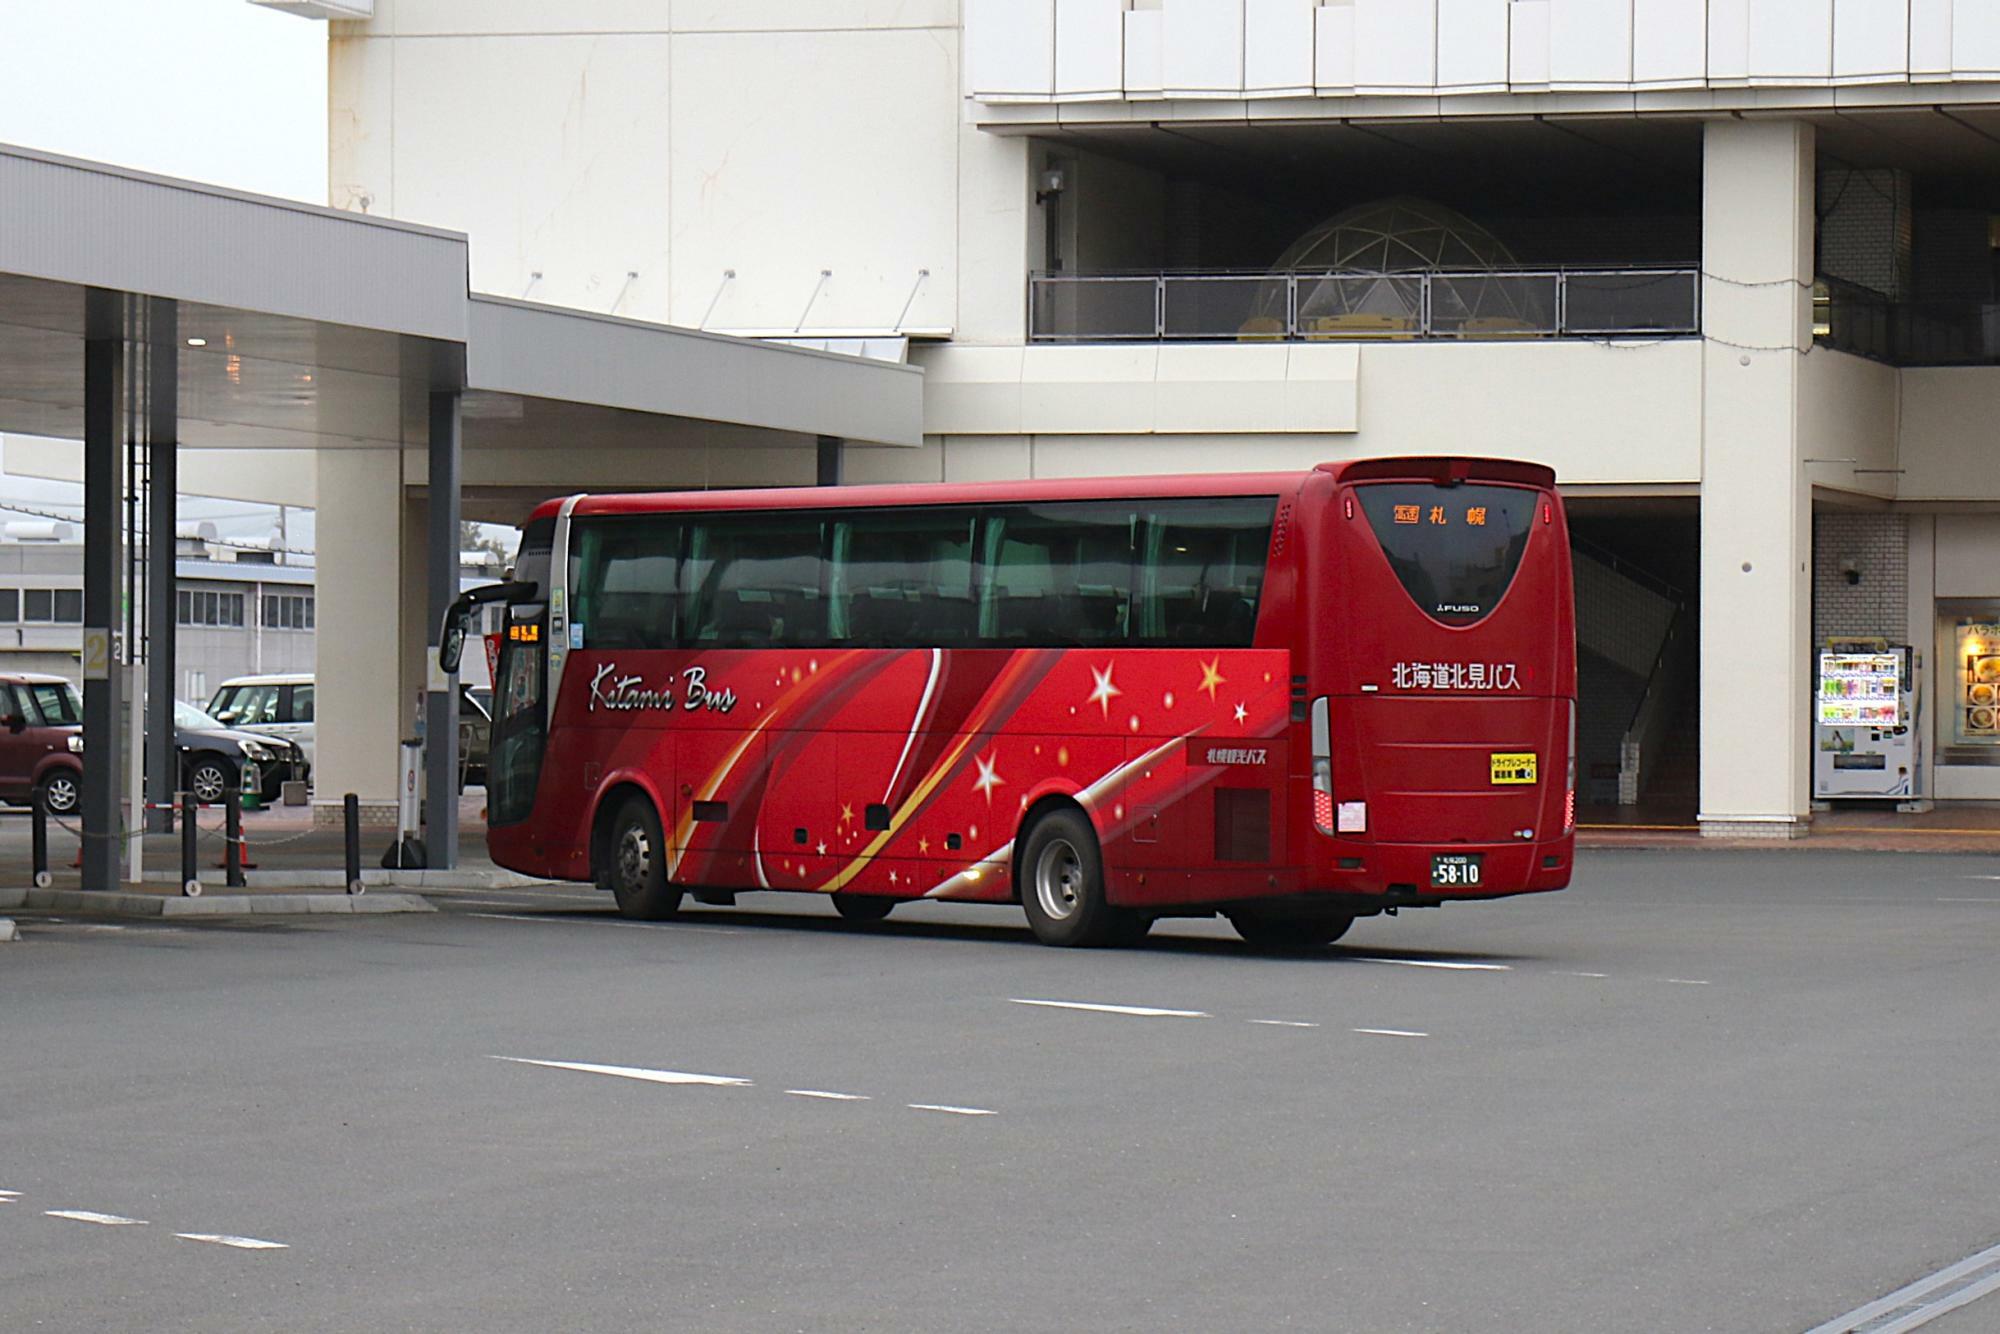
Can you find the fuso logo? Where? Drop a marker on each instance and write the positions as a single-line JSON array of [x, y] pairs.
[[1236, 755]]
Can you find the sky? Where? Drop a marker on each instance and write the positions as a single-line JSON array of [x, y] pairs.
[[221, 91]]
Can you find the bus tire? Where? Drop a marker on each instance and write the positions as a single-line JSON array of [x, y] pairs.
[[1291, 933], [1062, 882], [635, 869], [862, 907]]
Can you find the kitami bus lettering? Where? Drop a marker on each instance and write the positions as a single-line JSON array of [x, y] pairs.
[[623, 694]]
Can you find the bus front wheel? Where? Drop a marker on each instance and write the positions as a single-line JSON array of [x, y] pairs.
[[1062, 884], [635, 864], [1289, 933]]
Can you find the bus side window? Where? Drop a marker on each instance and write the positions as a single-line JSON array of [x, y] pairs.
[[1202, 570], [626, 594], [902, 579], [759, 583], [1058, 575]]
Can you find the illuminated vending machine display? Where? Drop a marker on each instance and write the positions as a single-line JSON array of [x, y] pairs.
[[1865, 734]]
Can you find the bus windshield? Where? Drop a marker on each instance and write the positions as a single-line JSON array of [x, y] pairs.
[[1455, 548]]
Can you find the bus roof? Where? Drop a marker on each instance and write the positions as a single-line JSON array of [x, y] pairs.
[[1054, 489]]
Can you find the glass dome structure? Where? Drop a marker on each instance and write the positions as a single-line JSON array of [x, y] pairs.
[[1360, 274]]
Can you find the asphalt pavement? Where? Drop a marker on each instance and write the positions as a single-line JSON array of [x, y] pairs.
[[1698, 1091]]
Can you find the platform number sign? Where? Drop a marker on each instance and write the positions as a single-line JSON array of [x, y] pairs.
[[96, 654]]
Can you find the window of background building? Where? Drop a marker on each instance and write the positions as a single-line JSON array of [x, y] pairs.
[[288, 611], [52, 606], [199, 607], [10, 604]]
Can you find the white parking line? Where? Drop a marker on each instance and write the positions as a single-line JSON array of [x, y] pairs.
[[1142, 1011], [830, 1096], [635, 1072], [1566, 973], [1969, 900], [1285, 1023], [86, 1216], [1925, 1300], [1439, 963], [240, 1243], [946, 1107], [1392, 1032], [1687, 981]]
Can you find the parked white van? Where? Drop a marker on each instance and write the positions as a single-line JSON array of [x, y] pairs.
[[278, 705]]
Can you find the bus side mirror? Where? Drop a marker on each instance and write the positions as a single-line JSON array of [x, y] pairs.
[[458, 620], [451, 644]]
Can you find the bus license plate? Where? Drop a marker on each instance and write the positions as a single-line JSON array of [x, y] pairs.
[[1456, 870]]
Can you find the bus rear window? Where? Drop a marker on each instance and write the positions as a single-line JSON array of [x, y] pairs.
[[1455, 548]]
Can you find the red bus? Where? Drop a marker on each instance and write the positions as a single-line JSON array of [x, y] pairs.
[[1292, 699]]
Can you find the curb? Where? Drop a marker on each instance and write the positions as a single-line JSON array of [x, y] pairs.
[[93, 904], [336, 879]]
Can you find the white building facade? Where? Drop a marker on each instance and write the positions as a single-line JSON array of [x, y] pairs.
[[1727, 265]]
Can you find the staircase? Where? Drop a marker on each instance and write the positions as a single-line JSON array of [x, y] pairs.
[[1633, 647]]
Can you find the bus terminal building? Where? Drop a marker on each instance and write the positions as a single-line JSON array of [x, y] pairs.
[[1728, 266]]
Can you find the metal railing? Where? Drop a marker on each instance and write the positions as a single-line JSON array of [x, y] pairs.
[[1334, 305], [1931, 331]]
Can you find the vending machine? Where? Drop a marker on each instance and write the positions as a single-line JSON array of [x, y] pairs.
[[1866, 739]]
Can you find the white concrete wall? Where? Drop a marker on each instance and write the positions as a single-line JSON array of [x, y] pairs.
[[1947, 432], [1847, 415], [608, 137], [1272, 51], [1598, 414]]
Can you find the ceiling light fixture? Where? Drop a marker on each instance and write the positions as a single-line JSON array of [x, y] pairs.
[[197, 342]]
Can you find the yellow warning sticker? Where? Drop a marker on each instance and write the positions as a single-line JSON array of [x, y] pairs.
[[1514, 767]]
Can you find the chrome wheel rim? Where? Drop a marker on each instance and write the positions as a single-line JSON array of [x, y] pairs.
[[1059, 880], [60, 796], [635, 859], [207, 782]]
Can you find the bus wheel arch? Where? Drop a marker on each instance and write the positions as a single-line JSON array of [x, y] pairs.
[[628, 853], [1059, 878]]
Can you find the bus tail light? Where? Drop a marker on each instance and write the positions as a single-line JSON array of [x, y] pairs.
[[1322, 760], [1569, 778]]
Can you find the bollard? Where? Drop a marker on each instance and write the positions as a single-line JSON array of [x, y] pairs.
[[350, 812], [232, 855], [40, 820], [190, 881]]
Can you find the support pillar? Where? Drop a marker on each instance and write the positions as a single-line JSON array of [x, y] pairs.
[[162, 515], [829, 460], [103, 722], [441, 690], [1756, 506], [362, 711]]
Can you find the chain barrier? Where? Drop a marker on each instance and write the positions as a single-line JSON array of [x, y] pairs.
[[213, 835]]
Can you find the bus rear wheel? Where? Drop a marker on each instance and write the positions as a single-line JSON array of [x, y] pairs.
[[635, 864], [1062, 885], [1289, 933], [862, 907]]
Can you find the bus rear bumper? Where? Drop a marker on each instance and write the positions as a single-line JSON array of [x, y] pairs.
[[1399, 873]]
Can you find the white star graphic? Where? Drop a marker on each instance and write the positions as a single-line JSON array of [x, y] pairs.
[[822, 847], [1241, 713], [988, 780], [1102, 692]]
